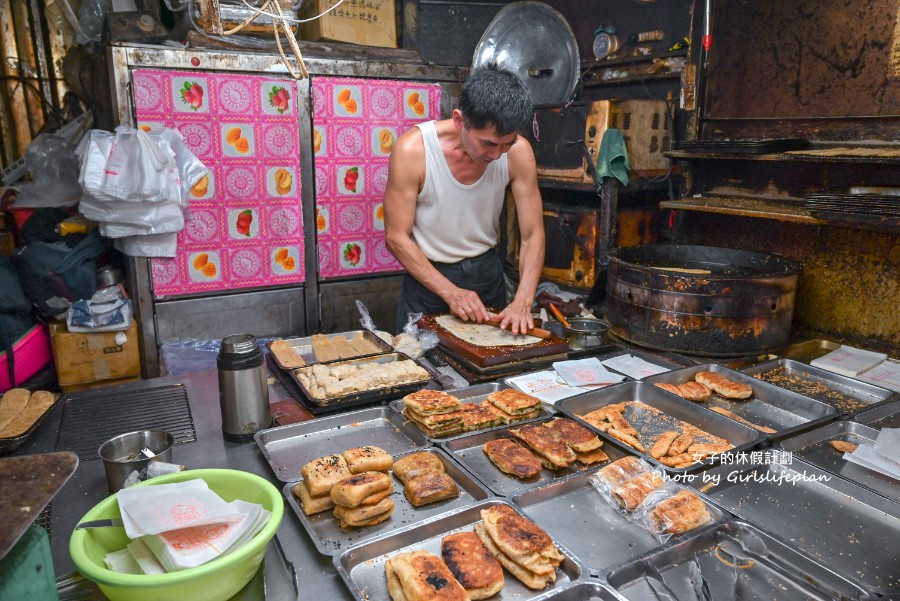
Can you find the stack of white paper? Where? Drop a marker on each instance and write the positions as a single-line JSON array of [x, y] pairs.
[[633, 367], [849, 361], [181, 525], [548, 386], [586, 372], [881, 456], [886, 375]]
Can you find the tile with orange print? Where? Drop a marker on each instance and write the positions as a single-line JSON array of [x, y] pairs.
[[323, 219], [347, 101], [415, 103], [190, 94], [204, 266], [378, 217], [281, 181], [382, 140], [285, 260], [203, 188], [238, 140], [320, 141]]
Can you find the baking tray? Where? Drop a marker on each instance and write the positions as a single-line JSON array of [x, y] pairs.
[[289, 448], [851, 530], [769, 569], [584, 590], [808, 350], [366, 397], [782, 410], [575, 514], [8, 445], [362, 566], [467, 451], [303, 346], [845, 394], [651, 424], [813, 447], [330, 539], [883, 416], [473, 394]]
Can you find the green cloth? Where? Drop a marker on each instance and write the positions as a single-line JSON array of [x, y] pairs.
[[612, 160]]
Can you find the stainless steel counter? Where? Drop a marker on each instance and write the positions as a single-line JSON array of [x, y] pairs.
[[315, 573]]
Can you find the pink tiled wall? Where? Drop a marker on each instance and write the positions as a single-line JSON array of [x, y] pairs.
[[245, 227], [355, 122]]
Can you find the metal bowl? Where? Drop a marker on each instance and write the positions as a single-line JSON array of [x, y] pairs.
[[122, 455], [584, 333]]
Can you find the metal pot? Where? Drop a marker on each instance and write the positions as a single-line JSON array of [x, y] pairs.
[[701, 300], [584, 333]]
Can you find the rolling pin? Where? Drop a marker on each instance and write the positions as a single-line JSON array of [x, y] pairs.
[[536, 332]]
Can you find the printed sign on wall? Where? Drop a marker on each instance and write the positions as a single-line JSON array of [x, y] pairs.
[[244, 226], [355, 124]]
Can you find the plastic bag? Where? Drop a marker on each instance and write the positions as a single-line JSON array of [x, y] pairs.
[[91, 16], [148, 245], [160, 218], [624, 483], [93, 152], [141, 168], [675, 510], [54, 169], [190, 168], [129, 213]]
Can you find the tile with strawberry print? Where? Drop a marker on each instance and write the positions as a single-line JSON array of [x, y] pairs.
[[238, 140], [352, 254], [277, 97], [350, 180], [190, 94], [243, 223]]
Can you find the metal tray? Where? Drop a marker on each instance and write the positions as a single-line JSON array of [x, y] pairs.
[[782, 410], [852, 531], [303, 346], [651, 425], [883, 416], [847, 395], [575, 514], [813, 447], [289, 448], [585, 590], [467, 451], [330, 539], [808, 350], [768, 570], [473, 394], [362, 567], [368, 396], [8, 445]]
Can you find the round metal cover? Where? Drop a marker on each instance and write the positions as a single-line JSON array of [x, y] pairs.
[[535, 42]]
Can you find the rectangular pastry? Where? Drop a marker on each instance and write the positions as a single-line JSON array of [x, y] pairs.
[[309, 503], [421, 576], [512, 458], [680, 513], [323, 473], [478, 417], [576, 436], [354, 490], [547, 443], [431, 402], [364, 515], [621, 471], [430, 488], [630, 493], [367, 459], [513, 402], [408, 467], [473, 566]]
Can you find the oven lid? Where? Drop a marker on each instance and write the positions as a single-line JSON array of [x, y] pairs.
[[535, 42]]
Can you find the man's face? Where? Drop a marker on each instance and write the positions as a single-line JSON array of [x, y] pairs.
[[484, 145]]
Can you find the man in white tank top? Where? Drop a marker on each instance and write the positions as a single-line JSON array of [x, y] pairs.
[[444, 195]]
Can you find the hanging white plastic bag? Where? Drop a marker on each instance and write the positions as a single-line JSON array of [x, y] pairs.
[[162, 218], [153, 245], [94, 153], [190, 168]]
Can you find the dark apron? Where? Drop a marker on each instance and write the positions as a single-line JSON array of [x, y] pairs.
[[482, 274]]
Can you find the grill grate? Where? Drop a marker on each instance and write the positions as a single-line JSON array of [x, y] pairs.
[[44, 520], [91, 418]]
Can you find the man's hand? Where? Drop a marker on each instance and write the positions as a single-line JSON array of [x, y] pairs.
[[517, 317], [467, 306]]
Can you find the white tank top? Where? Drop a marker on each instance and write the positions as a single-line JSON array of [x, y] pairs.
[[455, 221]]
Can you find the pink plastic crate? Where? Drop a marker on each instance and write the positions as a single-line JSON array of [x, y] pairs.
[[31, 351]]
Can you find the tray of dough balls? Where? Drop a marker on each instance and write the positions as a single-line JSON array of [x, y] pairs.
[[357, 381], [354, 494], [774, 411], [487, 550]]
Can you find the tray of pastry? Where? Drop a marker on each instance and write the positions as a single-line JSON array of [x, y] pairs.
[[288, 448], [883, 416], [731, 560], [488, 417], [442, 487], [525, 468], [853, 531], [825, 447], [355, 382], [774, 411], [291, 353], [847, 395], [675, 434], [21, 412], [423, 557]]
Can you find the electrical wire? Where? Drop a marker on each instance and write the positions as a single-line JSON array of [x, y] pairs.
[[288, 19]]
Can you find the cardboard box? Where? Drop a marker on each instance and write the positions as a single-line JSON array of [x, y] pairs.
[[366, 22], [94, 357]]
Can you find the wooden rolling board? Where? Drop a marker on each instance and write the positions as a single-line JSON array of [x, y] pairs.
[[486, 356]]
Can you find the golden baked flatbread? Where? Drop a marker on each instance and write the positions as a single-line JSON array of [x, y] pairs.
[[480, 334]]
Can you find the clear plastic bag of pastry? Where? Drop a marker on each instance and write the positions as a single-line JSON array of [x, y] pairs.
[[675, 510], [627, 482]]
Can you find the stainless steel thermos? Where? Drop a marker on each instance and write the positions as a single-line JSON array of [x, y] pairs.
[[243, 392]]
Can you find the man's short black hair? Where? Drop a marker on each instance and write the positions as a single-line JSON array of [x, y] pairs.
[[492, 96]]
